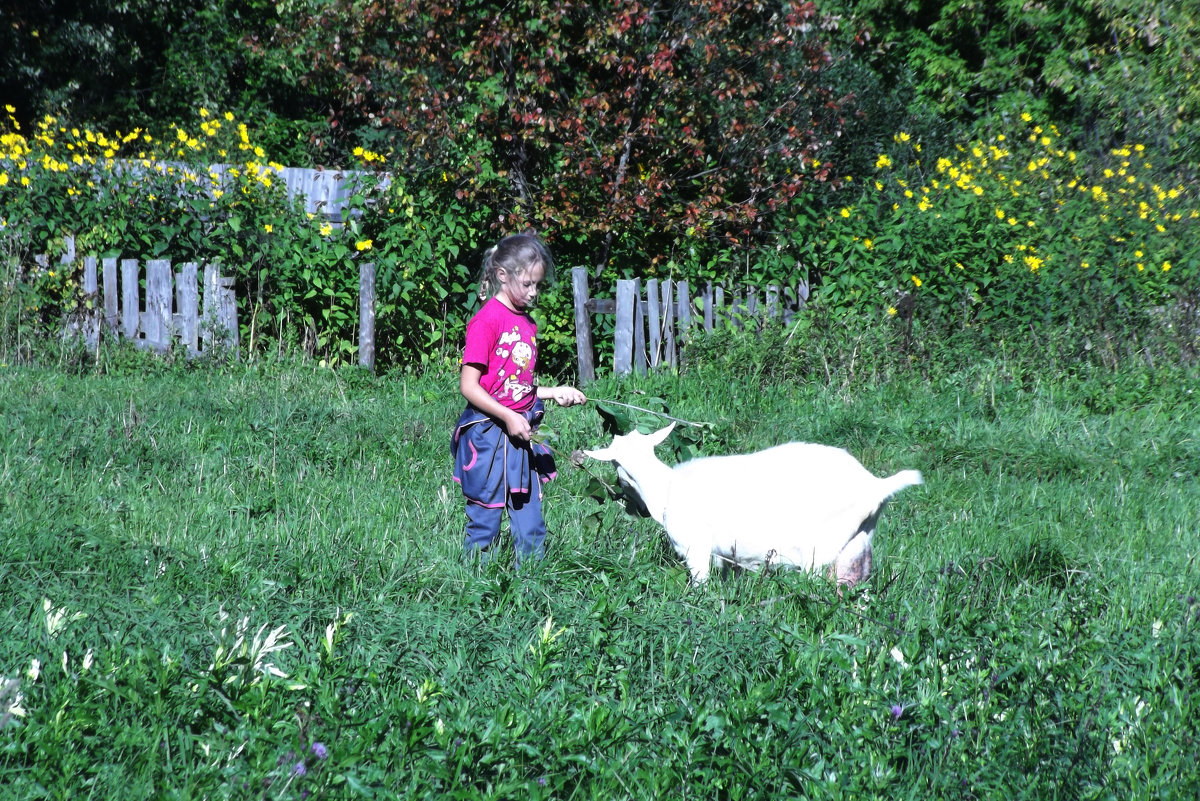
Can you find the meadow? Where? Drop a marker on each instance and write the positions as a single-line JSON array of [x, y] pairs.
[[246, 582]]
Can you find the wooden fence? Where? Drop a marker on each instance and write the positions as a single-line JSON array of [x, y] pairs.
[[155, 312], [324, 192], [651, 325]]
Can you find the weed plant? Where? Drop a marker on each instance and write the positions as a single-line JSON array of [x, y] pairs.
[[246, 582]]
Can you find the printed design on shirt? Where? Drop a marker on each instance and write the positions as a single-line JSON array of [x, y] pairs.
[[518, 384], [507, 339]]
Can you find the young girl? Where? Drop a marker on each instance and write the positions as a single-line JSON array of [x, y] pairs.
[[495, 462]]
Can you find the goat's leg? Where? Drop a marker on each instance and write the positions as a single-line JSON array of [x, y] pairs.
[[699, 563], [853, 564]]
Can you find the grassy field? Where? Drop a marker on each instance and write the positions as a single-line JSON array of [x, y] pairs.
[[247, 583]]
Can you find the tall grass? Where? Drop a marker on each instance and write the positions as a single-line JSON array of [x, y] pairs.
[[246, 582]]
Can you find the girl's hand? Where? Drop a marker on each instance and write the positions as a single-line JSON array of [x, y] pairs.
[[567, 396], [517, 426]]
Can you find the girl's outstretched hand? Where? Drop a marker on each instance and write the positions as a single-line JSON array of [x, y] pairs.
[[566, 396]]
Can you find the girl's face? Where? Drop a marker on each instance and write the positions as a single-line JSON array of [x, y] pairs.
[[518, 291]]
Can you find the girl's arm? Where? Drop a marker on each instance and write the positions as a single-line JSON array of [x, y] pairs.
[[563, 396], [514, 422]]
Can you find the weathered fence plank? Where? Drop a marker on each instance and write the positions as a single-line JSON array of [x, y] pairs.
[[187, 302], [91, 319], [111, 317], [654, 338], [366, 315], [627, 292], [159, 291], [131, 300]]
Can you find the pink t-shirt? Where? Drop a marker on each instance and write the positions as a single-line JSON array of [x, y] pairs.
[[504, 343]]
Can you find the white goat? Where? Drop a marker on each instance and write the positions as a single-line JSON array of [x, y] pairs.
[[800, 504]]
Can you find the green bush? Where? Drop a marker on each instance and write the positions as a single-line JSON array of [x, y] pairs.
[[1014, 229]]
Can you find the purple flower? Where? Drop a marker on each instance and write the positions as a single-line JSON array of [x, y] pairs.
[[897, 711], [298, 769], [319, 750], [541, 781]]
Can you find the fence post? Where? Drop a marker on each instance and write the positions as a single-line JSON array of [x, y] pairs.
[[366, 316], [583, 325]]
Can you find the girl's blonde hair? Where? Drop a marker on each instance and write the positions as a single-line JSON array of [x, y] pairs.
[[515, 255]]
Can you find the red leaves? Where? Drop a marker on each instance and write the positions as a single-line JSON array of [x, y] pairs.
[[660, 122]]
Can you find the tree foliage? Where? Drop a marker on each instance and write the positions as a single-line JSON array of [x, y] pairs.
[[634, 127], [1114, 70], [149, 64]]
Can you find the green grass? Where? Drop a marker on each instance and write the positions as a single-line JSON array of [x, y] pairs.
[[1031, 629]]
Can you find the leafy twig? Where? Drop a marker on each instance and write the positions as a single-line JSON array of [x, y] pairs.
[[651, 411]]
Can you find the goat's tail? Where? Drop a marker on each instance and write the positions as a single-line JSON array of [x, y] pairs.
[[905, 478]]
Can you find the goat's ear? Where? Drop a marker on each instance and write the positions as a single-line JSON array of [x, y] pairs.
[[600, 454], [658, 436]]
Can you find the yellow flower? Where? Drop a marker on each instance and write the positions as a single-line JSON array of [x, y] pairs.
[[1000, 215], [883, 161], [916, 281], [845, 212], [891, 311], [268, 228], [364, 244], [326, 229], [1166, 266], [868, 244], [901, 137]]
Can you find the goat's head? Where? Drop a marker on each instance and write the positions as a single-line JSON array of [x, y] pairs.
[[632, 448], [638, 469]]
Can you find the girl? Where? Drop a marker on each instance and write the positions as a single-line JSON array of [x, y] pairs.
[[495, 462]]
